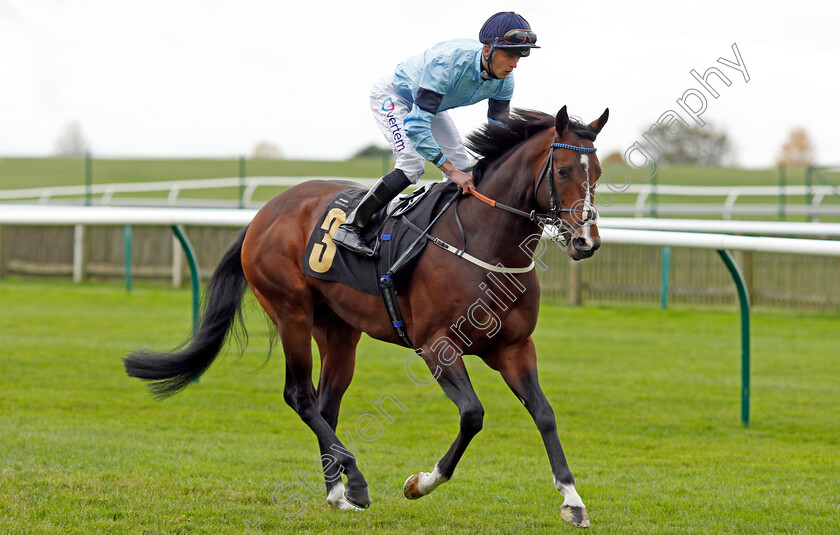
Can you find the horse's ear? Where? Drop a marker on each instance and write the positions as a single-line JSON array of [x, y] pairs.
[[598, 124], [562, 121]]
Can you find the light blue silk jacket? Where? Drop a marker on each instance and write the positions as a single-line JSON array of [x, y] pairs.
[[448, 75]]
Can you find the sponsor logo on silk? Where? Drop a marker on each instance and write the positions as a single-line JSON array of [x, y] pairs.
[[397, 140]]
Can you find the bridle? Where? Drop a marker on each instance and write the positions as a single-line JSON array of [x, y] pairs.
[[551, 222]]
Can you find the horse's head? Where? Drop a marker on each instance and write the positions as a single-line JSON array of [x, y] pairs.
[[565, 188]]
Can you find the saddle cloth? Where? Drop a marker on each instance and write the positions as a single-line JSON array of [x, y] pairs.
[[394, 229]]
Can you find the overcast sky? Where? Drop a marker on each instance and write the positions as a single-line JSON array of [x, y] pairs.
[[171, 78]]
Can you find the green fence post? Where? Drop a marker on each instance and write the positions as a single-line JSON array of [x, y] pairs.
[[666, 273], [191, 260], [744, 300], [127, 238], [782, 182], [242, 181]]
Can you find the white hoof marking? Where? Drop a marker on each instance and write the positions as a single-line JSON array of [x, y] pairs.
[[570, 495], [426, 482], [336, 499], [429, 482]]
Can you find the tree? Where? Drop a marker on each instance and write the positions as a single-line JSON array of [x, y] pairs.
[[72, 142], [694, 145], [798, 151], [267, 151], [373, 151], [613, 158]]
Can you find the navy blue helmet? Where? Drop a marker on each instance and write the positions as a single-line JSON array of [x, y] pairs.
[[508, 30]]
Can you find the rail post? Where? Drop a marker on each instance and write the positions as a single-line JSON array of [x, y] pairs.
[[79, 253], [191, 260], [575, 283], [177, 263], [127, 238], [744, 301], [666, 274]]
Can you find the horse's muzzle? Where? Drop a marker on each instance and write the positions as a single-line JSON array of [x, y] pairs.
[[584, 246]]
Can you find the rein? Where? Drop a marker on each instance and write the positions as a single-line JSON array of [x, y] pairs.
[[555, 206]]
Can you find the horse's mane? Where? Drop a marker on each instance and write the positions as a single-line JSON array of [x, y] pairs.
[[491, 141]]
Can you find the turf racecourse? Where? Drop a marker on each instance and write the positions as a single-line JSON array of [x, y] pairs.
[[646, 403]]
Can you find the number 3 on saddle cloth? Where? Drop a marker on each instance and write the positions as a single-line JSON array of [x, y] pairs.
[[395, 230]]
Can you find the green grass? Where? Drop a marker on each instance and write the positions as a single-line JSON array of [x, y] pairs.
[[646, 401], [43, 172]]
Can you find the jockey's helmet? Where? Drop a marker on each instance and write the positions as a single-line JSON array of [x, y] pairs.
[[510, 31]]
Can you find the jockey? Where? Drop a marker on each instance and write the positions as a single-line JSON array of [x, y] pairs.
[[410, 107]]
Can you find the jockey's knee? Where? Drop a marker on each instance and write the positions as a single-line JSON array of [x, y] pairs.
[[397, 180], [413, 175]]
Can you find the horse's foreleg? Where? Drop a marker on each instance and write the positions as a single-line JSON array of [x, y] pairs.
[[455, 381], [337, 346], [518, 367]]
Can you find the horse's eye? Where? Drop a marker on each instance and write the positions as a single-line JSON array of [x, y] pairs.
[[563, 172]]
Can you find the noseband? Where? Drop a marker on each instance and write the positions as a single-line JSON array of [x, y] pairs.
[[552, 222]]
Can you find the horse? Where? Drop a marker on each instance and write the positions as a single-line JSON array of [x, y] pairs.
[[534, 168]]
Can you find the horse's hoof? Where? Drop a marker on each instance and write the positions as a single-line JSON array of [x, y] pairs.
[[411, 489], [576, 516], [337, 498], [358, 496]]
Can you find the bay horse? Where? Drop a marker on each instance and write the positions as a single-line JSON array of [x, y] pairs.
[[538, 168]]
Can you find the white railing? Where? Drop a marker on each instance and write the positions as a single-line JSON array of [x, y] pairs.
[[759, 228], [697, 240], [612, 230]]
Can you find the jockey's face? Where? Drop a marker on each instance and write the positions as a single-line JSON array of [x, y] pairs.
[[502, 62]]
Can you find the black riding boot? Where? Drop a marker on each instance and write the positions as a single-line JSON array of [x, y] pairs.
[[349, 234]]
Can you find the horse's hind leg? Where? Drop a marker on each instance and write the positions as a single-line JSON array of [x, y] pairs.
[[294, 319], [455, 381], [337, 346], [518, 366]]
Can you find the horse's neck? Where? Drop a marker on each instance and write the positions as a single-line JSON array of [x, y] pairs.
[[511, 183], [501, 232]]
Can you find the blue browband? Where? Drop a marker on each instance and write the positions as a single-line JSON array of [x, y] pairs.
[[573, 147]]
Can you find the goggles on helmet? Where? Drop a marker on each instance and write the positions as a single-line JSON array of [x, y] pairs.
[[518, 37]]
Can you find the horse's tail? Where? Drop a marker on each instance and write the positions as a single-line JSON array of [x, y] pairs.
[[173, 371]]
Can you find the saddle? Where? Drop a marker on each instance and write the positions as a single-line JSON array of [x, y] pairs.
[[398, 232]]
